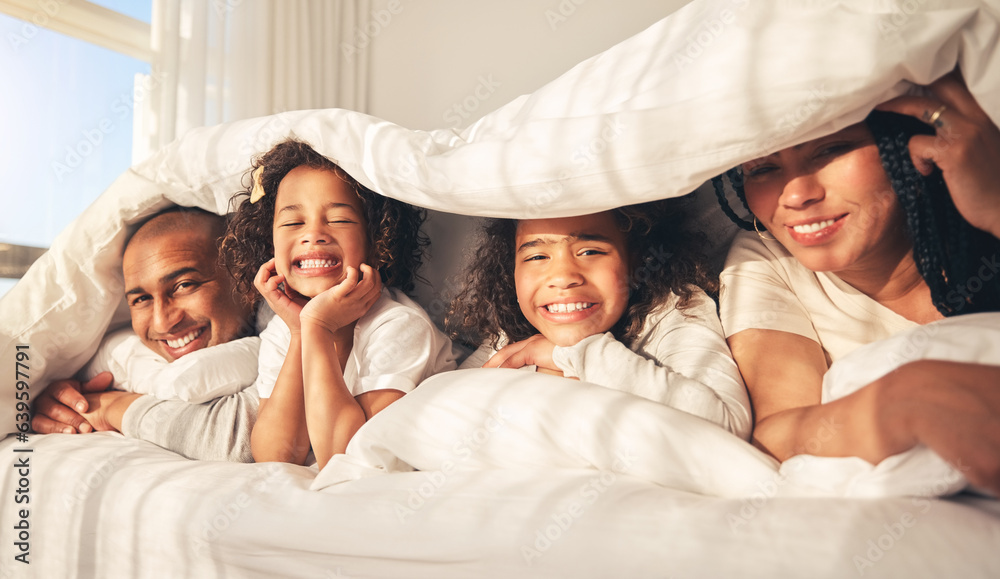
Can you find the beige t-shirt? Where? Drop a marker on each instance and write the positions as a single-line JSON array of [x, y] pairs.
[[764, 287]]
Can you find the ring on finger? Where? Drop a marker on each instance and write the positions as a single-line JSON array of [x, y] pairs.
[[935, 117]]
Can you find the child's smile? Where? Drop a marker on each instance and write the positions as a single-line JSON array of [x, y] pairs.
[[319, 230], [571, 275]]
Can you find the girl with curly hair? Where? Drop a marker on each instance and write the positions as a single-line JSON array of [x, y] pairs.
[[333, 260], [614, 298]]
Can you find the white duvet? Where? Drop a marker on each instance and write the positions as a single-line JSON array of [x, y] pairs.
[[532, 476], [680, 113]]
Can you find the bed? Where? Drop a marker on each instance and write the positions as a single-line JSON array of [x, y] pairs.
[[477, 475]]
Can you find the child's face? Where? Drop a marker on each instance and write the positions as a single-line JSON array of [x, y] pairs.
[[571, 275], [319, 229]]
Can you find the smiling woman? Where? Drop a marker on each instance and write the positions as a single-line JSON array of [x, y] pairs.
[[872, 235]]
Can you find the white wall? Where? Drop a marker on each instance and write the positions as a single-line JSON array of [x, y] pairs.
[[445, 63]]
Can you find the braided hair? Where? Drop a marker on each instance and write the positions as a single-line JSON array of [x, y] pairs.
[[948, 251]]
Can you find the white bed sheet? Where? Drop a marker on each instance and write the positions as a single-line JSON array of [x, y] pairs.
[[103, 506]]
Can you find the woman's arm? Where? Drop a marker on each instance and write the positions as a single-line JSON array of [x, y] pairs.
[[953, 408], [280, 435]]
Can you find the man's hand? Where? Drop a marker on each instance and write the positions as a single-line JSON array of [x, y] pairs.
[[535, 351], [61, 406]]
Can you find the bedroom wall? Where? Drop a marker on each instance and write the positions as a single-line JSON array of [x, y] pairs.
[[445, 63]]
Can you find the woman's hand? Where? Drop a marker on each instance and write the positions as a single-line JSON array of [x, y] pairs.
[[345, 302], [286, 302], [966, 148], [954, 409], [534, 351]]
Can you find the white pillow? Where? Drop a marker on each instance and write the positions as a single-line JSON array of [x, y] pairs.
[[488, 418], [197, 377], [499, 418], [669, 107]]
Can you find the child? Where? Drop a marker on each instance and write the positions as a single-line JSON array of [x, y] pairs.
[[612, 298], [318, 246]]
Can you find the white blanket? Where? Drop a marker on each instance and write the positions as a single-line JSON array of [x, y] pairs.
[[505, 419], [713, 85], [104, 506]]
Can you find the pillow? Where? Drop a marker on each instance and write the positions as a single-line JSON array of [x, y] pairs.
[[493, 418], [708, 87], [486, 418], [200, 376]]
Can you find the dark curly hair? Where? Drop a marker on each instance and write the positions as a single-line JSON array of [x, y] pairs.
[[664, 257], [398, 245], [948, 251]]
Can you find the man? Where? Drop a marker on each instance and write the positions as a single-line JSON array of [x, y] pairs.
[[181, 301]]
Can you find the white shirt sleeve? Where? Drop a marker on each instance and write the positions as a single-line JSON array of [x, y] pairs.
[[198, 377], [757, 290], [397, 347], [681, 360]]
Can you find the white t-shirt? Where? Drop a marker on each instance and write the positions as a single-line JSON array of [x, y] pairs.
[[396, 346], [197, 377], [764, 287], [681, 359]]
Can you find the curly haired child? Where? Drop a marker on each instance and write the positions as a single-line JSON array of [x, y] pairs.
[[333, 260], [615, 298]]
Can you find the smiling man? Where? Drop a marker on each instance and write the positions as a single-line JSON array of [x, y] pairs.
[[181, 301], [179, 298]]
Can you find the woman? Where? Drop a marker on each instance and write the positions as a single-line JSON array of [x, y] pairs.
[[848, 255]]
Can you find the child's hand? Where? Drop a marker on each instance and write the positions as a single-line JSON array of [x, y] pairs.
[[535, 351], [286, 304], [345, 302]]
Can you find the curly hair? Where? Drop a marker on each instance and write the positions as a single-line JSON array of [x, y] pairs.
[[664, 259], [947, 250], [397, 243]]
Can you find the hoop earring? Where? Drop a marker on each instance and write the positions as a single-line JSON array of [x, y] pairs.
[[759, 234]]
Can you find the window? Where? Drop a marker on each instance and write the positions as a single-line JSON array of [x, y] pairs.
[[67, 118]]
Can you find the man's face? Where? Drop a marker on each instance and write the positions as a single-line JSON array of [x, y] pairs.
[[179, 299]]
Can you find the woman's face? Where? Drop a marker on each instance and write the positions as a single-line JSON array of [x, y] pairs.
[[829, 202]]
